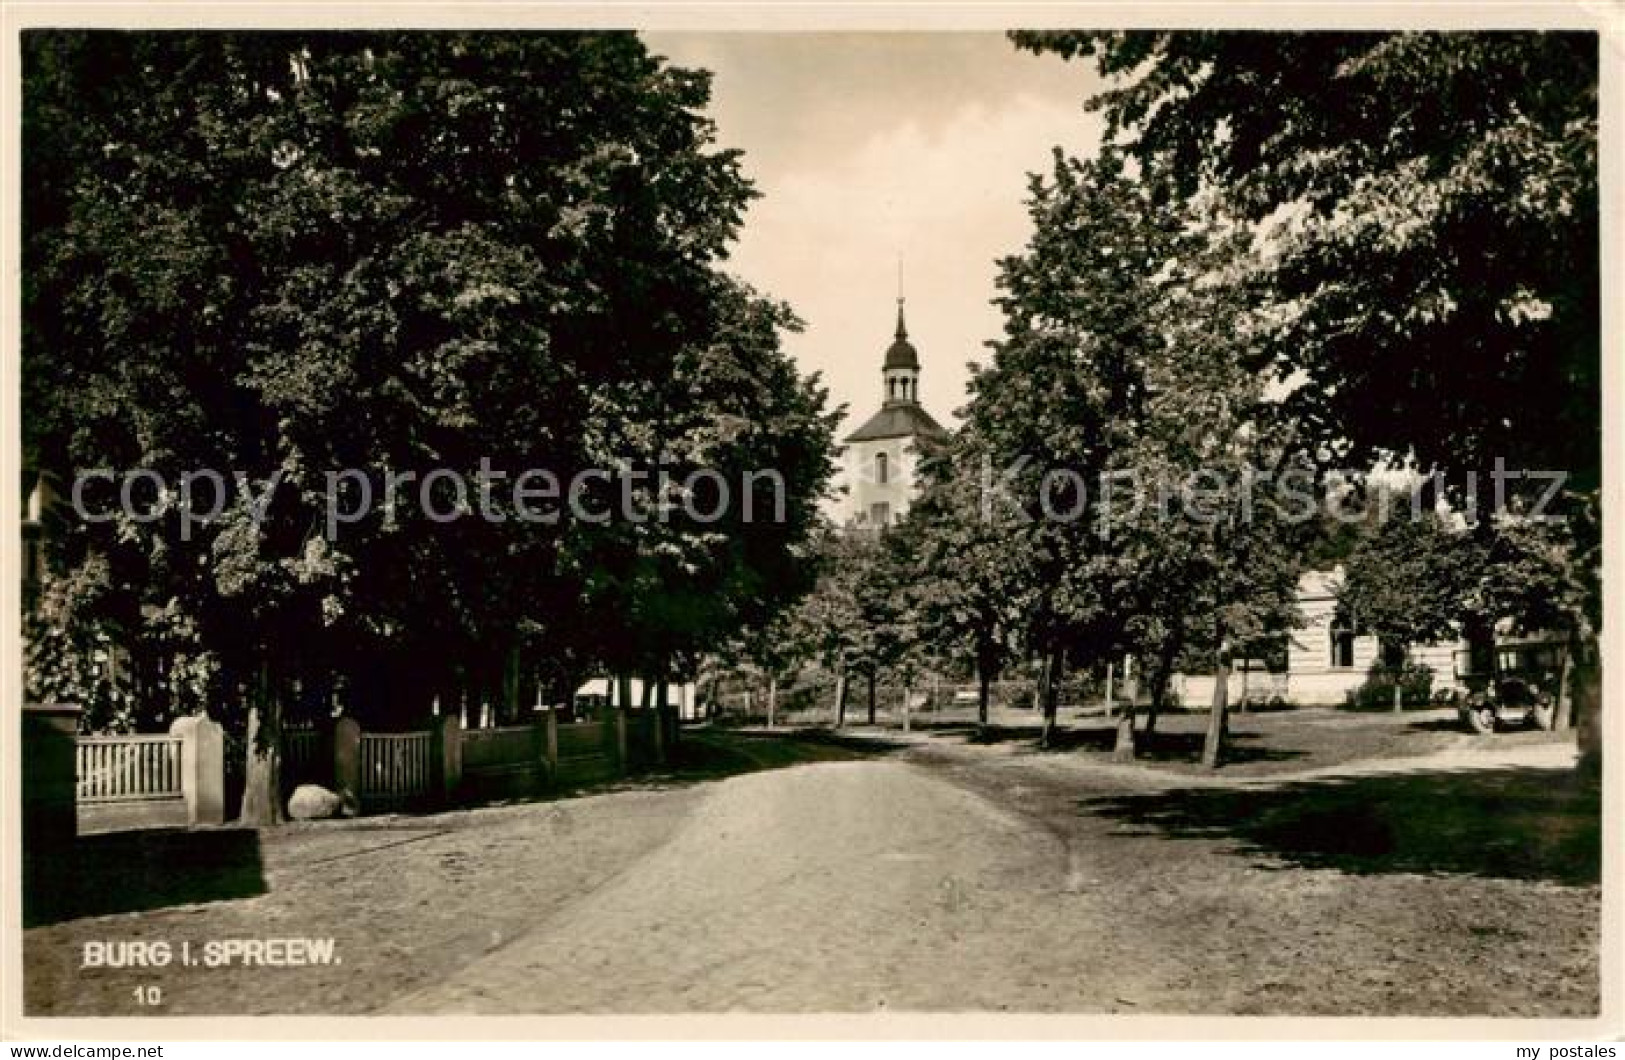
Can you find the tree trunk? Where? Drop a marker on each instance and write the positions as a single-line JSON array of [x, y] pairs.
[[665, 717], [1399, 696], [907, 691], [565, 694], [1152, 709], [1052, 695], [840, 699], [510, 686], [1218, 722], [1587, 694], [1563, 715], [1164, 671], [871, 697], [772, 699], [1123, 750], [262, 791], [984, 692]]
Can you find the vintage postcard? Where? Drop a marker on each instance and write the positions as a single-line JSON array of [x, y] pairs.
[[987, 521]]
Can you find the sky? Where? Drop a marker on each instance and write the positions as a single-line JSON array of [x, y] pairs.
[[867, 147]]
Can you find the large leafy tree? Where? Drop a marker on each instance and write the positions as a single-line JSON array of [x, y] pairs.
[[969, 588], [1427, 208], [1122, 403], [1405, 582], [280, 255], [1207, 565], [1064, 393], [837, 624], [1431, 206]]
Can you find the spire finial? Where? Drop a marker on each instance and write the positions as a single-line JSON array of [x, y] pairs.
[[902, 330]]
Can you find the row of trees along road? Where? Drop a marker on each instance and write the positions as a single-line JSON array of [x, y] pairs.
[[279, 254], [1294, 253]]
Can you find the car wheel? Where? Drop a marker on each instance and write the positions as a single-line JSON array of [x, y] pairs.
[[1480, 718]]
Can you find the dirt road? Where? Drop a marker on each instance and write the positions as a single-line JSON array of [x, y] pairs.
[[871, 885], [923, 876], [845, 886]]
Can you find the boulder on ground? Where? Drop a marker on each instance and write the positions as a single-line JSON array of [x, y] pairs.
[[312, 802]]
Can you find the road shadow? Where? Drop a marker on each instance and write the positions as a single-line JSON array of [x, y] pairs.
[[131, 872], [1512, 823], [1240, 747], [1451, 724], [704, 755], [940, 725]]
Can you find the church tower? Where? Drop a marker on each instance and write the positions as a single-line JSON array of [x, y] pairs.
[[901, 371], [882, 455]]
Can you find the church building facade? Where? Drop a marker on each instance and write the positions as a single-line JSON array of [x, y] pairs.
[[882, 455]]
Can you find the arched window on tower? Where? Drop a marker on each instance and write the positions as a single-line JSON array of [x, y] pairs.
[[880, 468]]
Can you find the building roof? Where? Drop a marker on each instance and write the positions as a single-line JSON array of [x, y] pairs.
[[901, 420]]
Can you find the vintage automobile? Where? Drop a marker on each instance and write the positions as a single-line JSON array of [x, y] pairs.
[[1514, 683]]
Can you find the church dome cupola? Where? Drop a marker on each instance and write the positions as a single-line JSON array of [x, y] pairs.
[[902, 353], [900, 373]]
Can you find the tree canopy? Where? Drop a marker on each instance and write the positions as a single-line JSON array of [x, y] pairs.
[[280, 255], [1431, 209]]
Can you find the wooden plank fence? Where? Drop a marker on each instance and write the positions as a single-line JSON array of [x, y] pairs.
[[505, 762], [588, 751], [448, 764]]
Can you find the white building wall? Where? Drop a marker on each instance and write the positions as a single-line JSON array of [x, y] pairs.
[[1312, 677], [865, 490]]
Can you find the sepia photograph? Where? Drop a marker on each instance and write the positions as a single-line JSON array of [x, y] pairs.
[[1011, 520]]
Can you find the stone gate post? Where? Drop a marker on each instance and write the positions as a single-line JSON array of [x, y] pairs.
[[347, 759], [203, 768]]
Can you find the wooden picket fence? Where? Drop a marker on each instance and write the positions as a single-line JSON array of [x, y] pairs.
[[126, 768], [395, 767], [151, 780]]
